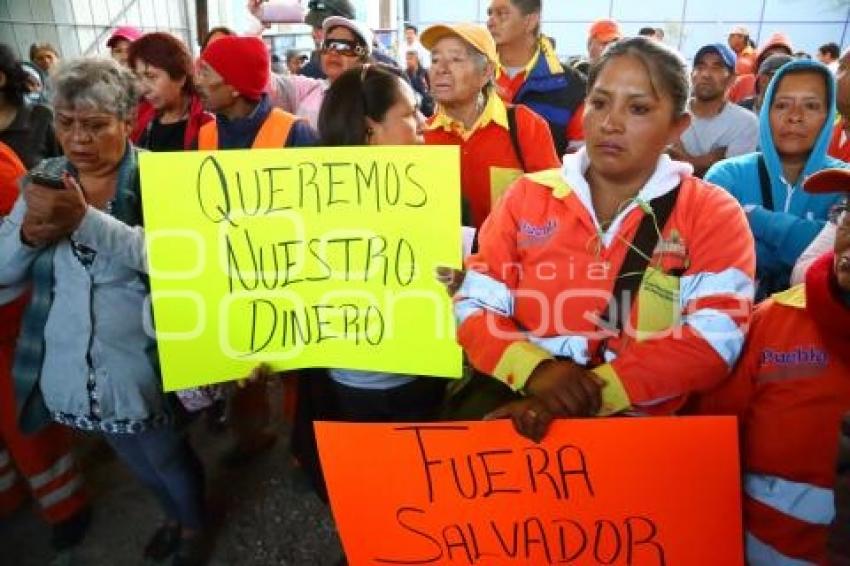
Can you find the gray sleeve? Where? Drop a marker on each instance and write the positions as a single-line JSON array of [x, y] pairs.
[[108, 235], [823, 242], [15, 256]]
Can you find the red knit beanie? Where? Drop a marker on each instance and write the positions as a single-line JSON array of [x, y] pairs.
[[243, 63]]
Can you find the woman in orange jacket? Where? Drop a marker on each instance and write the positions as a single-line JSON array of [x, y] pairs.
[[546, 304], [790, 389]]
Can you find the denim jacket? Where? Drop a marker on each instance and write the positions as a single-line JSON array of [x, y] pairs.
[[97, 368]]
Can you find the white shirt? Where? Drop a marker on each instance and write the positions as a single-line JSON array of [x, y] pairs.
[[424, 54]]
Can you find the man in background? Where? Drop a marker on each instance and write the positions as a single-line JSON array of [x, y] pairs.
[[295, 60], [828, 54], [719, 129], [529, 72], [601, 34], [745, 54], [411, 43]]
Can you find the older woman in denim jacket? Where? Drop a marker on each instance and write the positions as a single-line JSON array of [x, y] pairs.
[[84, 357]]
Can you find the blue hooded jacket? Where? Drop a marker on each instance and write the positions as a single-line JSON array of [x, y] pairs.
[[781, 234]]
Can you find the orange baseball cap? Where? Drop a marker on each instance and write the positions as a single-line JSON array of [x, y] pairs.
[[605, 31], [477, 36]]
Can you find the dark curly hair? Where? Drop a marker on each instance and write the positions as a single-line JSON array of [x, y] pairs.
[[16, 77]]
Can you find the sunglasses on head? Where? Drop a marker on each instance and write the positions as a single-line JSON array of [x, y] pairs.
[[344, 47]]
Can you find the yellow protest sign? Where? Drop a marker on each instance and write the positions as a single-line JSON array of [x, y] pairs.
[[313, 257]]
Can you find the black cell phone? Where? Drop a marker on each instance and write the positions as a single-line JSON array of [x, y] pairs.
[[46, 179]]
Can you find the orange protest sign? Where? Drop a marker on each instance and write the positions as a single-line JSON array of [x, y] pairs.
[[642, 492]]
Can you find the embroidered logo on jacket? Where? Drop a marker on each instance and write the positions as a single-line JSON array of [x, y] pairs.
[[531, 234], [799, 362]]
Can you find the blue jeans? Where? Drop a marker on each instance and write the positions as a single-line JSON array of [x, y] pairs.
[[165, 463]]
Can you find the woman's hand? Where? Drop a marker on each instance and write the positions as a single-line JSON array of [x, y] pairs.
[[567, 389], [52, 214], [530, 416], [259, 373], [450, 277]]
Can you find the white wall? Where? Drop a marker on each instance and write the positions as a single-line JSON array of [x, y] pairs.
[[82, 26], [688, 23]]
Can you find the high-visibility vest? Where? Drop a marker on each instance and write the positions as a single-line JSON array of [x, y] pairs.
[[273, 133]]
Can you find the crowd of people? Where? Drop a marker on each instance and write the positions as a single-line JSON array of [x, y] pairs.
[[652, 238]]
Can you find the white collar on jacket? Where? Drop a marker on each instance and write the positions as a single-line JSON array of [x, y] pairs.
[[668, 174]]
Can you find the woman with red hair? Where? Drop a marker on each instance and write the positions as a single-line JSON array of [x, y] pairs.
[[170, 113]]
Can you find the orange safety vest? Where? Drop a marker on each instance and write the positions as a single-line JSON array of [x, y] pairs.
[[273, 133]]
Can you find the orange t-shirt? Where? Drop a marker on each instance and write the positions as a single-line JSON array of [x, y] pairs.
[[745, 63], [744, 87]]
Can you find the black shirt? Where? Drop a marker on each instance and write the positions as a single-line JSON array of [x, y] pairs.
[[163, 137], [31, 134]]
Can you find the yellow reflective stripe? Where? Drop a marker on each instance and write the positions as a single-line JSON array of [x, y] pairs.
[[553, 179], [793, 297], [517, 362], [658, 303], [614, 396], [500, 179], [61, 466], [552, 62]]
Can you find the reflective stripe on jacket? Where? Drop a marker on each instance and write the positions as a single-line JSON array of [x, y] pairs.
[[273, 133]]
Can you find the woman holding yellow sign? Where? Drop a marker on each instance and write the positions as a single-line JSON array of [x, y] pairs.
[[374, 105], [368, 105]]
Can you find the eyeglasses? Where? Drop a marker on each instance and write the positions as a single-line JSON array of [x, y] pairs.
[[344, 47]]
